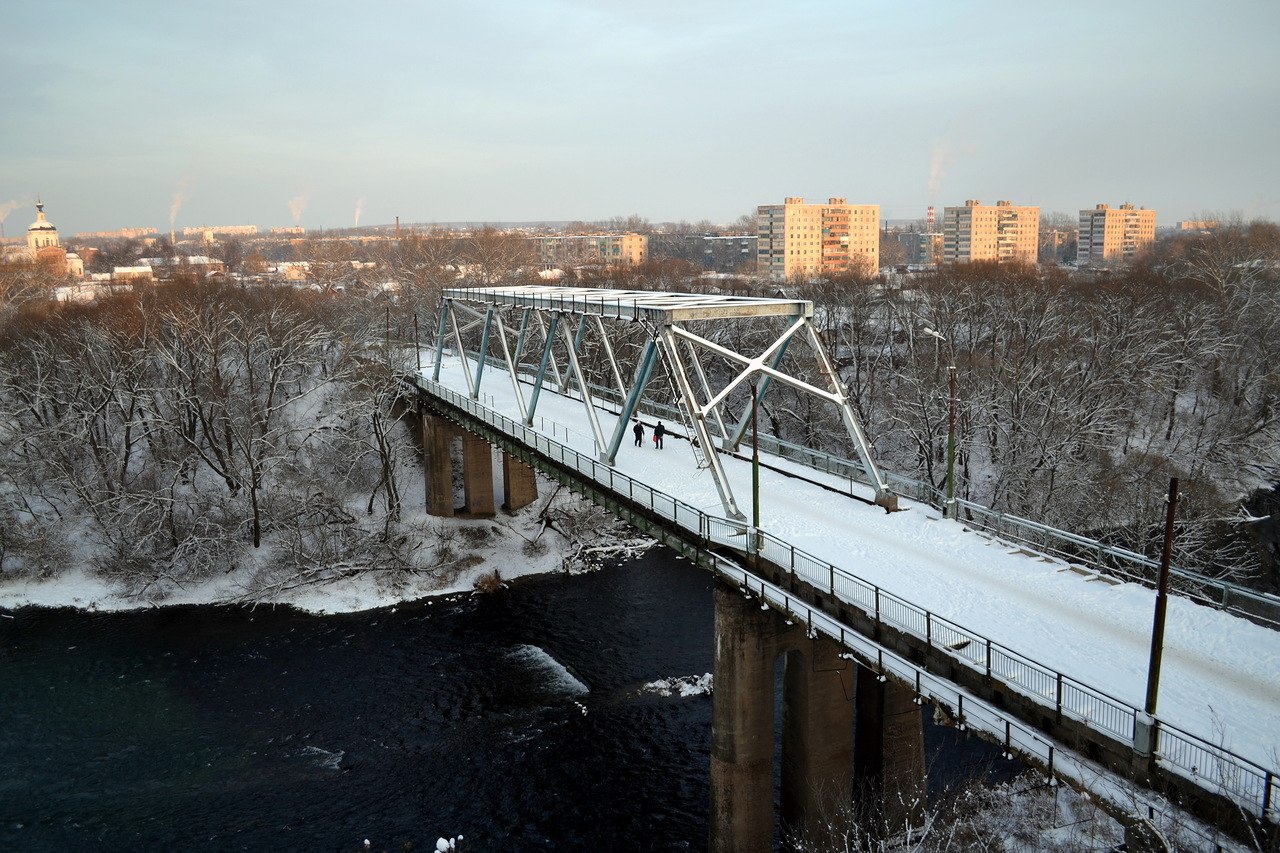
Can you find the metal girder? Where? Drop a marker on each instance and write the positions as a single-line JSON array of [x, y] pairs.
[[647, 359], [733, 439], [576, 369], [660, 313], [656, 307], [667, 336], [542, 370]]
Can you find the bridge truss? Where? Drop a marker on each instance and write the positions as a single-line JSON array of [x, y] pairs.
[[576, 331]]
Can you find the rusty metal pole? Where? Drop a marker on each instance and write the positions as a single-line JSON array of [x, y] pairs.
[[417, 346], [951, 447], [755, 468], [1162, 599]]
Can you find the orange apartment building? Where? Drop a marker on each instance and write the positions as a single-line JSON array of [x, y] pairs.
[[1114, 235], [1004, 233], [801, 240]]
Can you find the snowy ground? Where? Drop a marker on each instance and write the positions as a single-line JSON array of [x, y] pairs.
[[1221, 674], [78, 587]]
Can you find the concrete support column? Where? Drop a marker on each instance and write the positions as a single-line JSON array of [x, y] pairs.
[[519, 483], [477, 475], [888, 753], [817, 742], [437, 463], [742, 725]]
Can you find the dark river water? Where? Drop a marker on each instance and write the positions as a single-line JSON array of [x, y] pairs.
[[516, 719]]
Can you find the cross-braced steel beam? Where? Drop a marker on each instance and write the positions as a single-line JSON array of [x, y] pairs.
[[701, 394]]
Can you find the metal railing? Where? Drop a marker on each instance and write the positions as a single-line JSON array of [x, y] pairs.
[[1247, 783], [1092, 554]]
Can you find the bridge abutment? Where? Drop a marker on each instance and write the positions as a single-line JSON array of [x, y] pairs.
[[519, 481], [519, 484], [437, 463]]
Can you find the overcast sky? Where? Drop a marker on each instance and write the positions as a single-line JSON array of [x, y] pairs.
[[672, 109]]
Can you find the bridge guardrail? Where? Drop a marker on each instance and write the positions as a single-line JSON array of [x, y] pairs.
[[1249, 784], [1098, 556]]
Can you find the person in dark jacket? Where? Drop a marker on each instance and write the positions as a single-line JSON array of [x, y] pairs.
[[638, 429], [658, 432]]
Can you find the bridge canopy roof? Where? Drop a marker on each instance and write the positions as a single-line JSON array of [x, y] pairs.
[[655, 306]]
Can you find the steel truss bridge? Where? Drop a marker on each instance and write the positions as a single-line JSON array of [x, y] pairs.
[[574, 337]]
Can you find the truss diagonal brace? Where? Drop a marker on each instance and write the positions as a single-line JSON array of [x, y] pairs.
[[884, 496], [700, 425], [647, 360], [576, 370]]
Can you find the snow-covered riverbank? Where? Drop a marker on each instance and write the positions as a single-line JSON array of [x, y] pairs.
[[481, 552]]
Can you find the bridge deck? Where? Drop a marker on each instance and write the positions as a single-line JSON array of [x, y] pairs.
[[1221, 674]]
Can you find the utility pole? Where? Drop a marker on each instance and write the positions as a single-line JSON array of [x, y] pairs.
[[951, 447], [755, 468], [417, 346], [1162, 600]]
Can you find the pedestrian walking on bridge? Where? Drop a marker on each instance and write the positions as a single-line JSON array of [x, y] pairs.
[[638, 429], [658, 432]]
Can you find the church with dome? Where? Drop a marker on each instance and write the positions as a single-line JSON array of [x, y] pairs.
[[45, 248]]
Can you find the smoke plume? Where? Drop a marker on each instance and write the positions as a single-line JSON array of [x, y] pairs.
[[938, 164], [5, 209], [297, 204], [359, 210], [179, 196]]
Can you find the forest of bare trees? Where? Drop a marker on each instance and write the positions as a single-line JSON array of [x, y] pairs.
[[169, 432]]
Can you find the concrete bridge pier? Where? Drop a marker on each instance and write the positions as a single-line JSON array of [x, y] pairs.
[[817, 739], [742, 724], [829, 756], [888, 767], [519, 482]]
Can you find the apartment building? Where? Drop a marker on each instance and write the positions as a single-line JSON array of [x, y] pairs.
[[1111, 235], [801, 240], [592, 250], [1004, 233]]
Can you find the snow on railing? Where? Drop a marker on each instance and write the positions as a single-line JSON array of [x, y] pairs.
[[1247, 783], [1093, 554]]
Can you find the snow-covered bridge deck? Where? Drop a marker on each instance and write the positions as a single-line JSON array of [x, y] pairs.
[[1046, 630]]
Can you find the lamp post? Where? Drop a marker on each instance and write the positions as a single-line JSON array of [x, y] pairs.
[[948, 509], [951, 445]]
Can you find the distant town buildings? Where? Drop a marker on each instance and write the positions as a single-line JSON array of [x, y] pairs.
[[1111, 235], [209, 232], [800, 240], [734, 253], [287, 229], [1003, 233], [1197, 224], [118, 234], [592, 250]]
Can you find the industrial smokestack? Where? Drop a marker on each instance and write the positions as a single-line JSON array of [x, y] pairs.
[[929, 218], [397, 227]]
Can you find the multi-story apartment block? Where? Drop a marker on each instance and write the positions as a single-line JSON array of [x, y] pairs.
[[1114, 235], [593, 250], [799, 240], [980, 232]]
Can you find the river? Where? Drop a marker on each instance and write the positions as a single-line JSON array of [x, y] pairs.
[[517, 719]]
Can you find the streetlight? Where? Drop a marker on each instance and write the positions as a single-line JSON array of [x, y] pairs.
[[949, 509]]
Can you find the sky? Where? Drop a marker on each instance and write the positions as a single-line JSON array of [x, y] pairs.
[[225, 112]]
